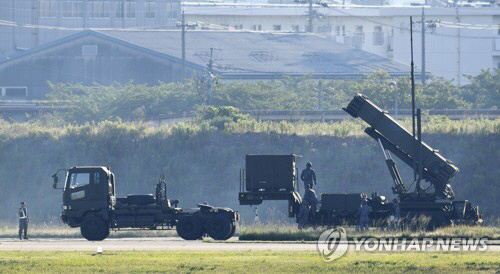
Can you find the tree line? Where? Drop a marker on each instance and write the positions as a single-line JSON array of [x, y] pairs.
[[133, 102]]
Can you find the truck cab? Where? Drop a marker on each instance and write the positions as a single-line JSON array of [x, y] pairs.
[[86, 190], [89, 202]]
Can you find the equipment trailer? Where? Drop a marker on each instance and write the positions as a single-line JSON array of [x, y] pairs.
[[89, 202], [277, 180]]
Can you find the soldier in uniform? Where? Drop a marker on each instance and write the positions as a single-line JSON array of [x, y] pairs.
[[308, 176], [308, 207], [395, 215], [23, 221], [363, 212]]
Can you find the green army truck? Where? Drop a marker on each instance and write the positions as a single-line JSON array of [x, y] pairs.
[[89, 202]]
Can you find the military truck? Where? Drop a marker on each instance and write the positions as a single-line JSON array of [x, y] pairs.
[[89, 202], [274, 177]]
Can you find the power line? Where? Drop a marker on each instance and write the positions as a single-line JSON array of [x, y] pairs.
[[407, 29], [222, 27]]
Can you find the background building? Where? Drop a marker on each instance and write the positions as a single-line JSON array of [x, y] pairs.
[[458, 41], [108, 57], [41, 21]]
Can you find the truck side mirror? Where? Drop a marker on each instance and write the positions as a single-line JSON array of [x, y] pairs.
[[56, 180]]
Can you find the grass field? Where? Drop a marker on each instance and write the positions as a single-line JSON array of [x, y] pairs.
[[269, 232], [262, 232], [244, 262], [63, 231]]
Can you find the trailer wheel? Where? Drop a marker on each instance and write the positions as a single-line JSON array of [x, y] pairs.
[[189, 228], [438, 219], [94, 228], [220, 227]]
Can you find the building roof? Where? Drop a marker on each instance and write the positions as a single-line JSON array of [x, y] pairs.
[[244, 54], [238, 53]]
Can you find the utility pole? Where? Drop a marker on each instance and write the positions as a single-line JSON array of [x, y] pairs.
[[210, 75], [458, 47], [412, 94], [412, 79], [423, 46], [184, 28], [320, 95], [183, 36], [310, 17], [394, 85]]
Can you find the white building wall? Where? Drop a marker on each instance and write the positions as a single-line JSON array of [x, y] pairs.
[[451, 52]]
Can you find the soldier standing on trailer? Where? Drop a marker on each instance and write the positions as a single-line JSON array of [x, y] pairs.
[[308, 176], [23, 221]]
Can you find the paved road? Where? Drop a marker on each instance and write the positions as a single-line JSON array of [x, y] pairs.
[[166, 243], [157, 243]]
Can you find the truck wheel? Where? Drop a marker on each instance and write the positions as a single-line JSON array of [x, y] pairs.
[[438, 220], [219, 227], [94, 228], [189, 228]]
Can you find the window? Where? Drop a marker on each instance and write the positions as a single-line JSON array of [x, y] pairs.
[[150, 8], [257, 27], [359, 29], [172, 10], [79, 179], [359, 37], [337, 30], [276, 27], [378, 36], [343, 30], [130, 7], [295, 28], [73, 9], [99, 9], [48, 8], [17, 92], [120, 9], [89, 50], [97, 177], [240, 26], [125, 8]]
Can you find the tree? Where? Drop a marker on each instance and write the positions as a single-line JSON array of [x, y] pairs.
[[483, 91]]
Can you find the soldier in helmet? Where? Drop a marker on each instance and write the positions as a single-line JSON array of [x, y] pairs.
[[308, 176]]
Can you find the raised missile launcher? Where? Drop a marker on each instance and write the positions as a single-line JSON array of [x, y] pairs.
[[274, 177]]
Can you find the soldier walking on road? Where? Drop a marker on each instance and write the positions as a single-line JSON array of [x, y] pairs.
[[23, 221], [308, 176]]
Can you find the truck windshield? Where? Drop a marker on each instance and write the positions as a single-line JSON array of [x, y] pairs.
[[79, 179]]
